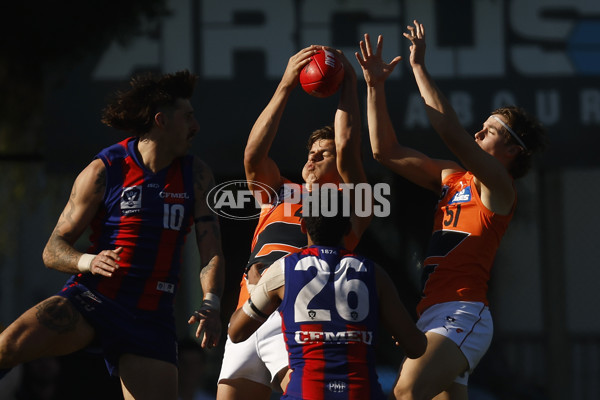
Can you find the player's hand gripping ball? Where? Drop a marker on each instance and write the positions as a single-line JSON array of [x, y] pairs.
[[323, 75]]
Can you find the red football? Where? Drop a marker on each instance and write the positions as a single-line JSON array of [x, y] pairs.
[[323, 75]]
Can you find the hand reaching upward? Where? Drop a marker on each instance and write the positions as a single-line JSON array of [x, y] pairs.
[[374, 68], [416, 35]]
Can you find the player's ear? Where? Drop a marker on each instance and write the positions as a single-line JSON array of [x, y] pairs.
[[303, 226], [160, 119]]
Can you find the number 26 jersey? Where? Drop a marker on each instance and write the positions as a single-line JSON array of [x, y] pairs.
[[329, 322]]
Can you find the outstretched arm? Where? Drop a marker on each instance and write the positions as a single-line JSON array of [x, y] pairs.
[[491, 172], [212, 274], [347, 128], [411, 164], [85, 199], [257, 163]]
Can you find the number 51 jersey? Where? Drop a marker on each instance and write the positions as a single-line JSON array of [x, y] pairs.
[[330, 314], [462, 248]]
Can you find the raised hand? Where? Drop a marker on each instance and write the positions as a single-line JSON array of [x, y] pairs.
[[296, 63], [349, 73], [416, 35], [375, 70]]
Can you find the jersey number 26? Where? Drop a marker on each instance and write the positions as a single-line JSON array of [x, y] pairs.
[[347, 290]]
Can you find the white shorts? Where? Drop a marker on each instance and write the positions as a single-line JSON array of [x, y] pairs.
[[468, 324], [258, 358]]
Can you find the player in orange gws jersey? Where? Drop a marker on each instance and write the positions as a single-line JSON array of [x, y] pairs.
[[477, 201], [250, 368]]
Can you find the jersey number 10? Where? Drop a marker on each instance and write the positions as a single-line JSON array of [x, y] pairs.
[[173, 216]]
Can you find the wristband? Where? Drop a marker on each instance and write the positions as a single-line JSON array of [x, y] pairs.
[[211, 302], [85, 262]]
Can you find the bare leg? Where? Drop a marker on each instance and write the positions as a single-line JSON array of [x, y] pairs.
[[455, 392], [241, 389], [282, 379], [147, 378], [53, 327], [432, 373]]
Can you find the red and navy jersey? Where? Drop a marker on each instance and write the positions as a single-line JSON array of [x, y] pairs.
[[329, 320], [149, 215]]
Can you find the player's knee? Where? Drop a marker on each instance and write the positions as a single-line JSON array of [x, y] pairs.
[[240, 388], [407, 392]]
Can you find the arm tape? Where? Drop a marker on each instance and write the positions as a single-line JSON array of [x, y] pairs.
[[271, 279], [250, 310], [250, 287], [211, 302]]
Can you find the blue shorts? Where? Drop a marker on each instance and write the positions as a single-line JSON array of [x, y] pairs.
[[122, 331]]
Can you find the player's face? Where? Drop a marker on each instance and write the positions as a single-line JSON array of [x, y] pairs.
[[491, 138], [321, 165], [181, 127]]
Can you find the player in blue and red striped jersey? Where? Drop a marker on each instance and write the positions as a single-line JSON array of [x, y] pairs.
[[331, 302], [140, 197]]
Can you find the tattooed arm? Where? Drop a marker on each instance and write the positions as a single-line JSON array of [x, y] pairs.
[[84, 201], [212, 274]]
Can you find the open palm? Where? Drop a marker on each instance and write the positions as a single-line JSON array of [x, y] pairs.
[[374, 68]]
